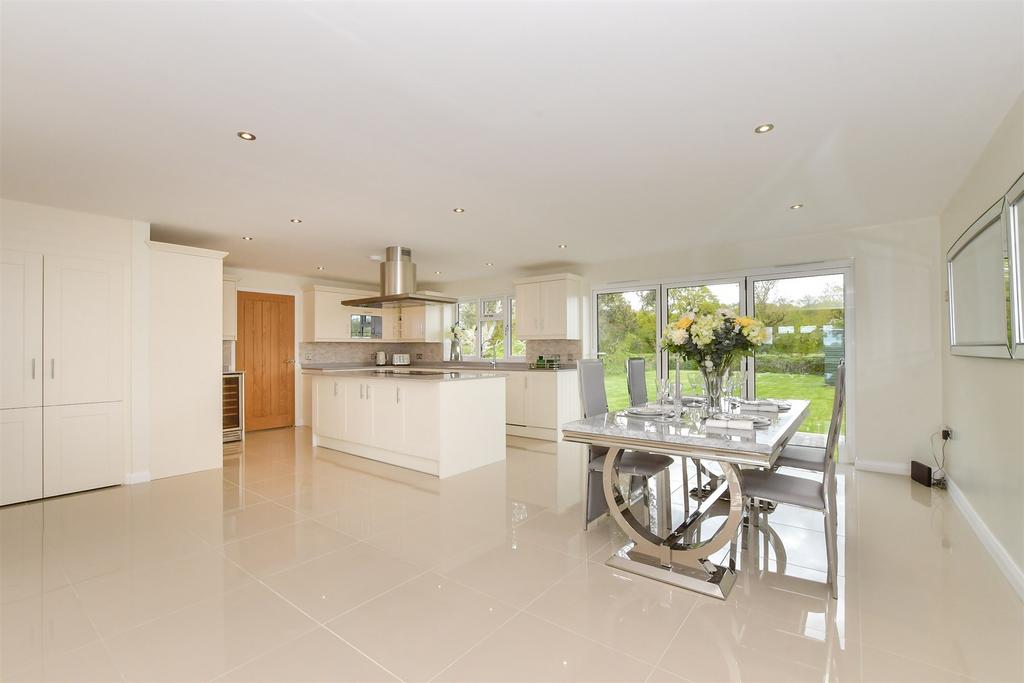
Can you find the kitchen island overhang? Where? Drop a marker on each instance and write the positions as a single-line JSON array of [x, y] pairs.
[[440, 423]]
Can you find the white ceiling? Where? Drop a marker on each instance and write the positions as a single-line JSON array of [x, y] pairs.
[[620, 129]]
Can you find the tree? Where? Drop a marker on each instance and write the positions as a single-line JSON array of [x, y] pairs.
[[771, 313]]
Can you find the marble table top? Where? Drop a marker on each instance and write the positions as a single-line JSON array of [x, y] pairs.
[[687, 435]]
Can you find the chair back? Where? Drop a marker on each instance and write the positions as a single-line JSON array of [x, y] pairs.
[[832, 441], [593, 398], [636, 381]]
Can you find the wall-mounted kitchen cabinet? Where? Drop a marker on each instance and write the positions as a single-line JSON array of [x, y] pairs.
[[538, 401], [230, 309], [63, 330], [422, 323], [548, 307], [325, 319]]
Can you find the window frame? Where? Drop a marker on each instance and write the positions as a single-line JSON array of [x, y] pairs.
[[505, 319]]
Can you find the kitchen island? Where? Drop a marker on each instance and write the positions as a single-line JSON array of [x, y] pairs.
[[441, 422]]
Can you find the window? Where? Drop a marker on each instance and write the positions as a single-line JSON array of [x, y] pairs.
[[489, 322]]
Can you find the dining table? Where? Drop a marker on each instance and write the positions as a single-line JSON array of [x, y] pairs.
[[680, 556]]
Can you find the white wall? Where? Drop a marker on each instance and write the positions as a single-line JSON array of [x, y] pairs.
[[898, 319], [185, 321], [983, 399], [280, 283]]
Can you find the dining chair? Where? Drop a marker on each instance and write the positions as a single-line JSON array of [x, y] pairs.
[[809, 457], [769, 485], [639, 465], [636, 381]]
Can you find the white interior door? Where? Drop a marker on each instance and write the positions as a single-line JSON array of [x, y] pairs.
[[83, 331], [83, 447], [21, 329], [21, 455]]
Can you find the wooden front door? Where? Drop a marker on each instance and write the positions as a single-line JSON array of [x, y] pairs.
[[266, 347]]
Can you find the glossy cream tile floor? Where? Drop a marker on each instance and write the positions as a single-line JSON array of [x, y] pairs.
[[288, 567]]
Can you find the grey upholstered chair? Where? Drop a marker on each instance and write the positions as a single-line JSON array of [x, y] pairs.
[[636, 380], [782, 488], [639, 465], [809, 457]]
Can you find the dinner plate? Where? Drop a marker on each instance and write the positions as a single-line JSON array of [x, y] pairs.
[[759, 421], [648, 411]]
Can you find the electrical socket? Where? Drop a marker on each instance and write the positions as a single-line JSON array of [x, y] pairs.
[[308, 355], [947, 433]]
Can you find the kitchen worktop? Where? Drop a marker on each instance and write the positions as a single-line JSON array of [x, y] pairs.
[[406, 373], [476, 366]]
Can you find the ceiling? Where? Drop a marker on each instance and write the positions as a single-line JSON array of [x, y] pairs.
[[619, 129]]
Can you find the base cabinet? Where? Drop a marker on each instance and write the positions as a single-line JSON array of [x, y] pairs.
[[441, 428], [83, 447], [537, 402], [21, 455]]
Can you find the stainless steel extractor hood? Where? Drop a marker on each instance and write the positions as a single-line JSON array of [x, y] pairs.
[[398, 284]]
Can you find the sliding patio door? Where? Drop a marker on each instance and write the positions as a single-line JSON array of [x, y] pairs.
[[806, 318], [627, 326]]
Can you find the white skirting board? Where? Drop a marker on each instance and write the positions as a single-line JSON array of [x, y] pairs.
[[1014, 574], [882, 466], [137, 477]]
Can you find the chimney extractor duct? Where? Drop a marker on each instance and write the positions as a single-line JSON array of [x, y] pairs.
[[398, 284]]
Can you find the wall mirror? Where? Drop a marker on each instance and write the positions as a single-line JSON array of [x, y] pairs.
[[981, 298]]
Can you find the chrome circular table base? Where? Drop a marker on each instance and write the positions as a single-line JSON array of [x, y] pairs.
[[670, 559]]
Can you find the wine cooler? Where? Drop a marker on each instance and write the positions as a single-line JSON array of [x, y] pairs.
[[233, 397]]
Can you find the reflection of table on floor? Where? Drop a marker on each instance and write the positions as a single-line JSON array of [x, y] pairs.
[[672, 559]]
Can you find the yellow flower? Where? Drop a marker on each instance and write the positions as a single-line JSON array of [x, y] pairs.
[[684, 322], [744, 321]]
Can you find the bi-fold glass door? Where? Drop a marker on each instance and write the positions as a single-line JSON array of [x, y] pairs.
[[805, 313]]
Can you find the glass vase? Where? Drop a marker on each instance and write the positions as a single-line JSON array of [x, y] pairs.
[[714, 389], [456, 350]]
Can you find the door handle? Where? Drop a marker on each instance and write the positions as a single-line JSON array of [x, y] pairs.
[[290, 361], [526, 381], [398, 394], [335, 388], [361, 391], [33, 368], [52, 362], [367, 391]]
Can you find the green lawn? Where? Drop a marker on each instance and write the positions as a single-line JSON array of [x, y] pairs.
[[769, 385]]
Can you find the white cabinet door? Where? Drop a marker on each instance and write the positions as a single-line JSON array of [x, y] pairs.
[[328, 407], [413, 323], [420, 403], [21, 455], [332, 321], [388, 415], [541, 399], [553, 307], [230, 310], [83, 331], [358, 412], [83, 447], [528, 310], [515, 399], [21, 329]]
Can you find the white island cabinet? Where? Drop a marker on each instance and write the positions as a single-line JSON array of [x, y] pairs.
[[441, 426]]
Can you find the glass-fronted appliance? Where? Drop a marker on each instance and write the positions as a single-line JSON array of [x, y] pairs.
[[367, 326], [233, 398]]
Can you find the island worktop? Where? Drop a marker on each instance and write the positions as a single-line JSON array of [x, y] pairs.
[[401, 373]]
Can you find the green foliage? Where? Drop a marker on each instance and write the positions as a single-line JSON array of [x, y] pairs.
[[802, 363]]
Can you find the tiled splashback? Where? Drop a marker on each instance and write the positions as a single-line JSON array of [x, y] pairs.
[[568, 349], [358, 352]]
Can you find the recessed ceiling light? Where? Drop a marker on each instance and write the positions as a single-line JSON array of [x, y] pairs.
[[321, 267], [437, 272], [246, 135], [764, 128], [459, 209], [796, 206], [563, 245], [490, 264], [295, 220], [248, 239]]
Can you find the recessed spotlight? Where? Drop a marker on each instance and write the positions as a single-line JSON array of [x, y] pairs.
[[490, 264], [246, 135], [437, 272], [295, 220], [563, 245], [459, 209], [764, 128], [321, 267], [794, 207], [247, 238]]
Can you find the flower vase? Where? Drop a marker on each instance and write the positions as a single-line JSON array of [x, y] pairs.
[[714, 386], [677, 396], [456, 350]]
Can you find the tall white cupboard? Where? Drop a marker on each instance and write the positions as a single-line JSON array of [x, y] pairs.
[[62, 373]]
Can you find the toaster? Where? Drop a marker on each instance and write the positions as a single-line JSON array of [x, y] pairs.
[[399, 359]]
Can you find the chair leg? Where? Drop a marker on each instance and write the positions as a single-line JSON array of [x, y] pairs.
[[831, 542]]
